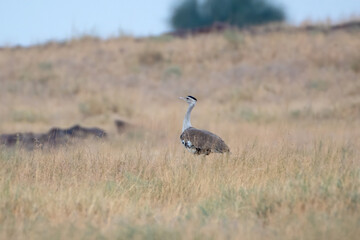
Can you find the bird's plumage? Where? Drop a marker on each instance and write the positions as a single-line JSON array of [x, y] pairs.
[[199, 141], [202, 142]]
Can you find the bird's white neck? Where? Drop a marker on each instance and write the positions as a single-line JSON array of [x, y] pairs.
[[187, 123]]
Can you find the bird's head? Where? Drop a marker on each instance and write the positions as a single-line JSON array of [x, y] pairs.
[[189, 99]]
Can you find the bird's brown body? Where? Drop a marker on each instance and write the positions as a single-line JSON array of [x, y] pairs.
[[202, 142], [199, 141]]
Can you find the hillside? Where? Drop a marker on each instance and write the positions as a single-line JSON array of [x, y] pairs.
[[286, 102]]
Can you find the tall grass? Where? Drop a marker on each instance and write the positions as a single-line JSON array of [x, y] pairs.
[[287, 104], [280, 191]]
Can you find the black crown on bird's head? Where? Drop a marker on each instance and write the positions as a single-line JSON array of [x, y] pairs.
[[192, 98]]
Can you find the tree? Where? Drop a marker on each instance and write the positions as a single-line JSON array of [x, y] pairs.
[[193, 14]]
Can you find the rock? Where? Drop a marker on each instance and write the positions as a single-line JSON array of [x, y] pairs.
[[54, 137]]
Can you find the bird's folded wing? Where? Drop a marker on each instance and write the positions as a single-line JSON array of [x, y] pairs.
[[203, 139]]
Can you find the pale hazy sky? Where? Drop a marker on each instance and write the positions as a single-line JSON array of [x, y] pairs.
[[31, 22]]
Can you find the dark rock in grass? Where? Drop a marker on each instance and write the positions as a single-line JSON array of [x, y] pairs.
[[121, 126], [54, 137], [27, 140]]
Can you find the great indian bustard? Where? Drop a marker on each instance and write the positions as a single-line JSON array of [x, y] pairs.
[[199, 141]]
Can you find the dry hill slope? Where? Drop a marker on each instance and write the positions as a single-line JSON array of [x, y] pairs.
[[286, 103]]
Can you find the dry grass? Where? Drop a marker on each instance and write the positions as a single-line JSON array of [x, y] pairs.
[[287, 104]]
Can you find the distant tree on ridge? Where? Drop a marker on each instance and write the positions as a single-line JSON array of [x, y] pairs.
[[191, 14]]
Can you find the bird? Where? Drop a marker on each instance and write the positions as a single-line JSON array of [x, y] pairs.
[[199, 141]]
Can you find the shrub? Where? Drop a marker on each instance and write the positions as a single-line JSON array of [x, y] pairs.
[[192, 14]]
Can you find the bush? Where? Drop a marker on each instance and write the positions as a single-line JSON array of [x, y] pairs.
[[193, 14]]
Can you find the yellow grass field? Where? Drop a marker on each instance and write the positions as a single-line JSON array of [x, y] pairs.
[[286, 102]]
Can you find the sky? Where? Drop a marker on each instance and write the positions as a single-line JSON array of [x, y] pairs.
[[24, 22]]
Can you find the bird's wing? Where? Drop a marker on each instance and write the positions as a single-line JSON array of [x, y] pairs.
[[204, 140]]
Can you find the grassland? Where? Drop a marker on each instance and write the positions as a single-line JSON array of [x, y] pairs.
[[287, 104]]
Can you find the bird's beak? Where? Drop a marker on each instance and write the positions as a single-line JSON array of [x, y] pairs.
[[182, 98]]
